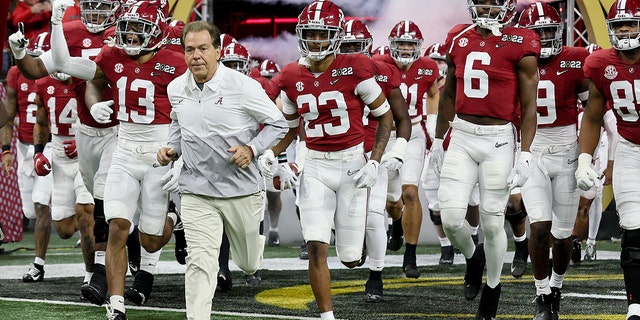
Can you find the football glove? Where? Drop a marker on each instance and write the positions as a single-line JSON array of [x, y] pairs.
[[437, 155], [101, 111], [70, 148], [288, 173], [367, 176], [18, 42], [59, 7], [265, 161], [585, 175], [171, 178], [394, 157], [41, 164], [520, 171]]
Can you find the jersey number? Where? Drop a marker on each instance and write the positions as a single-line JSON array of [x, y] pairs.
[[625, 104], [146, 102], [67, 116], [546, 106], [323, 129], [476, 82]]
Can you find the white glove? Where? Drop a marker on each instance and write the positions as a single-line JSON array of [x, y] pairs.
[[367, 176], [288, 173], [430, 123], [101, 111], [585, 175], [18, 42], [170, 179], [520, 171], [265, 161], [301, 154], [437, 155], [394, 157], [58, 9]]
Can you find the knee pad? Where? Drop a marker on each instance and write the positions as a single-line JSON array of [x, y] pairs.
[[437, 220], [101, 227], [517, 216], [630, 254]]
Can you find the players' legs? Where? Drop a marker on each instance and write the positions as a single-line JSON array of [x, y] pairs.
[[376, 238], [516, 215], [595, 216], [274, 206]]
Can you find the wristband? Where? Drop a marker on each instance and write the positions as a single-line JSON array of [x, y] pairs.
[[282, 158], [39, 148], [6, 147], [6, 152]]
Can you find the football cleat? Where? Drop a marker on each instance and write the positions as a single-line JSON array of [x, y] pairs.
[[178, 234], [140, 291], [543, 307], [253, 280], [113, 314], [35, 273], [519, 264], [473, 274], [446, 255], [556, 296], [274, 239], [409, 267], [575, 255], [133, 251], [304, 253], [590, 252], [225, 283], [96, 290], [396, 239], [488, 307], [373, 291]]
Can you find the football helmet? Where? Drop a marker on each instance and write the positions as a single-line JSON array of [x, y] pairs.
[[141, 28], [403, 35], [41, 44], [99, 15], [624, 13], [321, 16], [380, 51], [547, 23], [226, 39], [357, 36], [237, 57], [492, 14], [593, 47], [269, 68], [438, 53]]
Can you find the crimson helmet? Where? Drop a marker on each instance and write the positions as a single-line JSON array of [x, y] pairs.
[[175, 23], [141, 28], [380, 51], [492, 14], [226, 39], [269, 68], [406, 32], [237, 57], [356, 34], [436, 51], [99, 15], [621, 12], [323, 16], [547, 23], [40, 44], [593, 47]]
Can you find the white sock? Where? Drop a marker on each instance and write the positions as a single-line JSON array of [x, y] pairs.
[[542, 286], [38, 261], [556, 280], [148, 261], [520, 238], [327, 315], [117, 303], [591, 242], [173, 217], [444, 242], [98, 257], [474, 230], [272, 229], [87, 276]]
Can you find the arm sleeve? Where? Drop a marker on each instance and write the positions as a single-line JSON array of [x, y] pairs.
[[612, 134], [47, 61], [368, 90], [74, 66]]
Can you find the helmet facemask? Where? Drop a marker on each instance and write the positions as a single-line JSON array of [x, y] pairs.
[[318, 47], [625, 40], [135, 34], [492, 15], [98, 15], [405, 51]]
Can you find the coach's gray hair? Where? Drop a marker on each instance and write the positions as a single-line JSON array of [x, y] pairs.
[[201, 25]]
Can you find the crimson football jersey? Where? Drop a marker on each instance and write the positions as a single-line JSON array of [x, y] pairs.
[[140, 90], [560, 79], [270, 87], [327, 102], [617, 80], [173, 40], [83, 43], [25, 98], [415, 83], [486, 77], [388, 77], [61, 103]]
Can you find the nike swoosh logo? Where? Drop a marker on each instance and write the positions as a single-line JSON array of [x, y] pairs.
[[572, 161], [180, 101], [418, 78], [500, 144], [332, 82], [352, 172], [559, 72], [500, 45]]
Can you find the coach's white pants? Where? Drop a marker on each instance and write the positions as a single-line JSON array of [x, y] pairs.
[[203, 218]]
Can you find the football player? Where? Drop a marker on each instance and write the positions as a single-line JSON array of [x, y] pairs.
[[71, 203], [329, 92], [35, 190], [550, 194], [490, 67], [357, 39], [419, 77], [611, 73], [138, 72]]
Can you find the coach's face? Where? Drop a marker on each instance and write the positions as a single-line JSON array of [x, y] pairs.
[[200, 55]]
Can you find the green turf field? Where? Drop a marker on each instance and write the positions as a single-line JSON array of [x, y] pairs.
[[592, 290]]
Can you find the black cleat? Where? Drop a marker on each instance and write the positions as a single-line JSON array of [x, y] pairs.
[[373, 291], [116, 315], [519, 264], [140, 291], [304, 253], [543, 307], [253, 280], [35, 273], [576, 254], [556, 296], [274, 239], [446, 255], [396, 239], [225, 283], [473, 274], [488, 307], [409, 267], [133, 251], [180, 250], [96, 290]]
